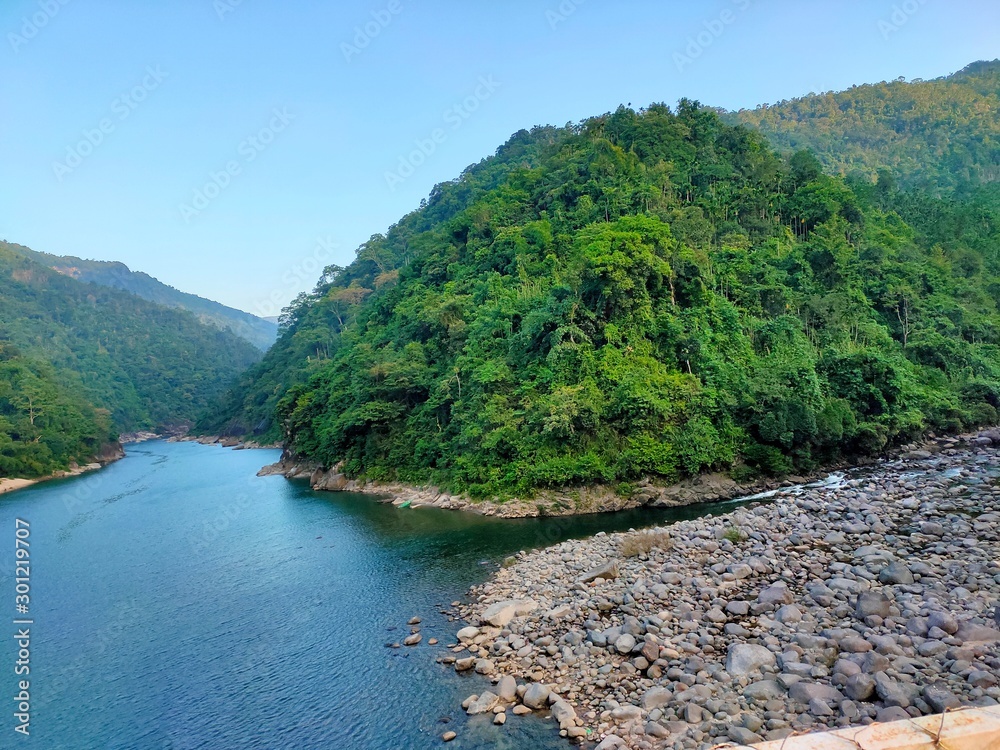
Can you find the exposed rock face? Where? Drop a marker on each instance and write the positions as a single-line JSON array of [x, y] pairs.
[[869, 599]]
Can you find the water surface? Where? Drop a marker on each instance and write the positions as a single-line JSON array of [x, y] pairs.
[[180, 602]]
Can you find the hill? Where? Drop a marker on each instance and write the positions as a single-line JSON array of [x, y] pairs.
[[258, 331], [80, 363], [941, 135], [652, 293]]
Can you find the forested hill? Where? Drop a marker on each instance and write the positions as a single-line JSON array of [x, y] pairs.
[[259, 332], [941, 135], [651, 293], [80, 363]]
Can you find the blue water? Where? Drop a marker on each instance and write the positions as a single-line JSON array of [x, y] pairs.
[[180, 602]]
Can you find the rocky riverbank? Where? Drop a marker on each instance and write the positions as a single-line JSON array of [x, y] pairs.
[[110, 453], [871, 599], [705, 488]]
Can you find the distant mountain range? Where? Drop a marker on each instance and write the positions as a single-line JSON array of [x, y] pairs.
[[258, 331], [80, 363]]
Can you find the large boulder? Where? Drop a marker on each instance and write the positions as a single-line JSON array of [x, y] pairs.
[[483, 704], [656, 697], [607, 571], [744, 658], [536, 696], [564, 713], [777, 595], [872, 603], [803, 692], [501, 613]]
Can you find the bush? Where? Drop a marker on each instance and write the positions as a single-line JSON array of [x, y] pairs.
[[643, 542]]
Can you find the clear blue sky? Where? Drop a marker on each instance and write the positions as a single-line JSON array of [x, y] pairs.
[[173, 91]]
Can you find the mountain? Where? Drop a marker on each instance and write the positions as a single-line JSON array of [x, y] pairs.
[[941, 135], [258, 331], [80, 363], [645, 294]]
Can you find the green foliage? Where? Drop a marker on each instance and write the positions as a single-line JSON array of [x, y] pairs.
[[940, 135], [259, 332], [112, 362], [648, 293], [43, 426]]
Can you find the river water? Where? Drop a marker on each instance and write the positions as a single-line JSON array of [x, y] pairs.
[[179, 602]]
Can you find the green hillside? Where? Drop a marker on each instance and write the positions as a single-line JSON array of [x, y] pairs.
[[941, 135], [651, 293], [84, 362], [259, 332]]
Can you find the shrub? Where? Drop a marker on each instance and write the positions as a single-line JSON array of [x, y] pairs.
[[644, 542]]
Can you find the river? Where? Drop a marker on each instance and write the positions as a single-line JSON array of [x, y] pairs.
[[179, 602]]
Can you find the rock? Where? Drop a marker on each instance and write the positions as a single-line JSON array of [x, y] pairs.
[[413, 621], [500, 719], [483, 704], [860, 687], [467, 634], [608, 571], [744, 658], [891, 713], [448, 736], [625, 643], [943, 621], [501, 613], [803, 692], [940, 698], [611, 742], [893, 693], [464, 665], [777, 594], [656, 697], [412, 640], [743, 736], [521, 710], [485, 666], [558, 613], [872, 603], [626, 713], [564, 714], [895, 573], [969, 633], [507, 688], [763, 691], [536, 696]]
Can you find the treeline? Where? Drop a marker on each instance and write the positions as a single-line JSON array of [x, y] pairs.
[[87, 362], [941, 136], [652, 293]]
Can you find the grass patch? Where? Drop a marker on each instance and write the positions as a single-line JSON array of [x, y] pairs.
[[643, 542]]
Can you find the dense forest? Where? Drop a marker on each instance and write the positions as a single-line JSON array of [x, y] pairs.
[[941, 135], [259, 332], [649, 293], [80, 363]]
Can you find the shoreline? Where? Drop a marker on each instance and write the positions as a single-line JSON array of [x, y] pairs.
[[113, 452], [870, 600], [704, 488]]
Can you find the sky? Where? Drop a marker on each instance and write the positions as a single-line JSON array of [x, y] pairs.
[[233, 148]]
